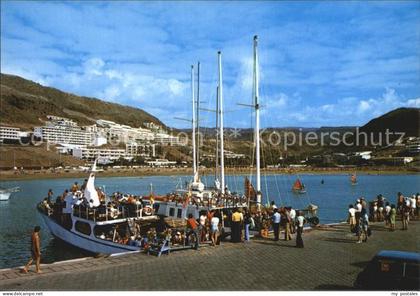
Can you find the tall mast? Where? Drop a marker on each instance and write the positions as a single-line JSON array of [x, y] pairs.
[[216, 175], [257, 122], [220, 96], [198, 119], [193, 123]]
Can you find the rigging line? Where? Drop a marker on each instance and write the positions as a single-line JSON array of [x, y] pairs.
[[265, 179], [270, 150]]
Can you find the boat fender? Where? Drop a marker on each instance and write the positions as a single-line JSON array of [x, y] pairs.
[[147, 211]]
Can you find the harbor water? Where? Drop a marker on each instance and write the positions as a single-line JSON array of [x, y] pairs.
[[18, 215]]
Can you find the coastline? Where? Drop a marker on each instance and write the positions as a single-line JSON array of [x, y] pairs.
[[10, 175]]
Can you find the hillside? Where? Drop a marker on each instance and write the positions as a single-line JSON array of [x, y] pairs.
[[24, 104], [399, 120]]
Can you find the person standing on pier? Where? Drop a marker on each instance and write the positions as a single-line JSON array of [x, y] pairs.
[[405, 214], [352, 218], [247, 222], [276, 224], [392, 216], [35, 251], [300, 222], [237, 219]]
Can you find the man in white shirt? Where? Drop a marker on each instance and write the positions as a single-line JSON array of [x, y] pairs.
[[292, 214], [413, 205], [352, 217], [300, 222], [358, 206], [276, 224]]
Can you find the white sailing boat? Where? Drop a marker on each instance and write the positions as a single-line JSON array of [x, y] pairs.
[[5, 193], [83, 221]]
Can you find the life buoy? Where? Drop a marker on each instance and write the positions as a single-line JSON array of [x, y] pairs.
[[148, 211]]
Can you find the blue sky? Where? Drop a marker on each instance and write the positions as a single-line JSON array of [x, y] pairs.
[[322, 63]]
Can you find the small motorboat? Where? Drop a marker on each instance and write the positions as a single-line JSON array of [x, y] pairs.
[[6, 192]]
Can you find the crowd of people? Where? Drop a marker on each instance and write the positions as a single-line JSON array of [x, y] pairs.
[[381, 210]]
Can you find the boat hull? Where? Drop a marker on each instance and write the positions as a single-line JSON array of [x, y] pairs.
[[85, 242], [5, 195]]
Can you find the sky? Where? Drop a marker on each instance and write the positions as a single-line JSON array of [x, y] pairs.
[[321, 63]]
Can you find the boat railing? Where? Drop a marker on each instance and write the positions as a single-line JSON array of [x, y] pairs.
[[106, 214]]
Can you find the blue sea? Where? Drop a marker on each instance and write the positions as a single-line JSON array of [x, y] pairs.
[[18, 215]]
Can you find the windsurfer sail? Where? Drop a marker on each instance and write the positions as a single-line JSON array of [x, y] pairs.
[[353, 179]]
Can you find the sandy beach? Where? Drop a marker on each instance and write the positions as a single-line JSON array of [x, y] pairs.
[[11, 175]]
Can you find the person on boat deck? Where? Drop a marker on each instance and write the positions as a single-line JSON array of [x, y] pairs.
[[35, 251], [50, 195], [64, 195], [227, 191], [273, 205], [84, 184], [75, 187], [237, 219], [161, 225], [46, 204], [276, 224], [69, 200]]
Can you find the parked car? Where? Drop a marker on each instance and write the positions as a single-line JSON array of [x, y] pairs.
[[391, 270]]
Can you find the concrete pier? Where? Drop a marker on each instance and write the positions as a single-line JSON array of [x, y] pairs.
[[330, 260]]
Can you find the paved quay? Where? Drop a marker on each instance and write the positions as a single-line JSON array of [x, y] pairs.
[[330, 260]]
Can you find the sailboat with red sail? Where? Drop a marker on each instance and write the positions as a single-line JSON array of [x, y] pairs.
[[298, 187]]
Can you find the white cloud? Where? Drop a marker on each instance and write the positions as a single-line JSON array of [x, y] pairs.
[[414, 103], [363, 106]]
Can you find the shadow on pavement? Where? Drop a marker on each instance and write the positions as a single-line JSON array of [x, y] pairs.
[[339, 240]]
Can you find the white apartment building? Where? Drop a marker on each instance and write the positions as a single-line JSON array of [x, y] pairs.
[[166, 139], [64, 134], [136, 149], [123, 133], [93, 153], [9, 133]]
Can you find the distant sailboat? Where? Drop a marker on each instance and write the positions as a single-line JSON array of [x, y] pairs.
[[298, 187], [353, 179]]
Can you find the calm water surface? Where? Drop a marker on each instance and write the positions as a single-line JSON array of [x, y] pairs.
[[18, 215]]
